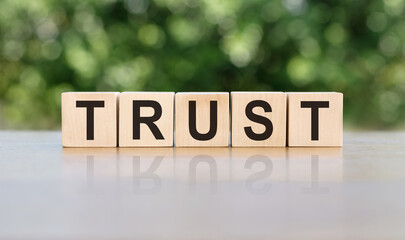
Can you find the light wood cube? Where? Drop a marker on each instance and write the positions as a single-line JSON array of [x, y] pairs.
[[202, 119], [259, 119], [315, 119], [146, 119], [89, 119]]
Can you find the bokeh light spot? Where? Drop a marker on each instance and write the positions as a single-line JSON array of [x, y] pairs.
[[376, 21], [309, 48], [295, 6], [185, 32], [137, 6], [272, 11], [13, 50], [241, 46], [47, 30], [51, 50], [389, 45], [301, 71], [151, 35], [389, 102], [335, 34]]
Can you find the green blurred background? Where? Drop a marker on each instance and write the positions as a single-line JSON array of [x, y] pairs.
[[352, 46]]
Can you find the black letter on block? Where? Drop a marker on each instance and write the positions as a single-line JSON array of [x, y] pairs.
[[137, 119], [258, 119], [90, 105], [192, 121], [314, 105]]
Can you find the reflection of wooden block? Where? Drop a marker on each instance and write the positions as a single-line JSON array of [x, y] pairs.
[[202, 119], [315, 164], [89, 119], [146, 119], [259, 119], [315, 119], [257, 164], [202, 165], [147, 166]]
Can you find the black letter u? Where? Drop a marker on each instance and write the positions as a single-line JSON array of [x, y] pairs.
[[192, 121]]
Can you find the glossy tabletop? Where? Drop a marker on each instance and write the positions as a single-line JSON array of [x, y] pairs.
[[50, 192]]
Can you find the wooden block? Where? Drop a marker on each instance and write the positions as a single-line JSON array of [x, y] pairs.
[[146, 119], [259, 119], [202, 119], [89, 119], [315, 119]]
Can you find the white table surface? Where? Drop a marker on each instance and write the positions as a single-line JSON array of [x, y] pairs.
[[354, 192]]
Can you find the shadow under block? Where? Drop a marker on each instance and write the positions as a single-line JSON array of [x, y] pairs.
[[202, 119], [259, 119], [315, 119], [89, 119], [146, 119]]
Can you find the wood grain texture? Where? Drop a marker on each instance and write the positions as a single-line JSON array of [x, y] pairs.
[[183, 137], [330, 120], [74, 119], [278, 117], [164, 123]]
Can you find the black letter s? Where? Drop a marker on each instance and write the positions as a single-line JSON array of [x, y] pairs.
[[259, 119]]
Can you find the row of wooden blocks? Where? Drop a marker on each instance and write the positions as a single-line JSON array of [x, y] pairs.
[[202, 119]]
